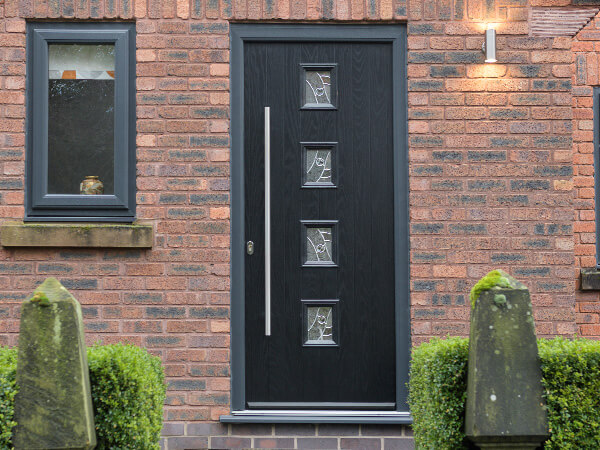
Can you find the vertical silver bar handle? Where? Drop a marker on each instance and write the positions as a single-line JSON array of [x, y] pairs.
[[267, 221]]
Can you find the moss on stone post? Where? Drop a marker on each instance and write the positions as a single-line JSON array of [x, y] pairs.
[[505, 408], [53, 408]]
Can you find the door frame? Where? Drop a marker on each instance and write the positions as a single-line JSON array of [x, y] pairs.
[[396, 35]]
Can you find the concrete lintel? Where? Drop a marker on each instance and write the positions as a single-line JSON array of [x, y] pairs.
[[19, 234]]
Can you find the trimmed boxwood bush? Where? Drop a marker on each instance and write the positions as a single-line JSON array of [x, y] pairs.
[[8, 389], [570, 377], [128, 392], [438, 393]]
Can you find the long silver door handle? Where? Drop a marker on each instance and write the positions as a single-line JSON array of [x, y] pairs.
[[267, 221]]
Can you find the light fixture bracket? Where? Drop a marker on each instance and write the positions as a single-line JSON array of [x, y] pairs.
[[489, 46]]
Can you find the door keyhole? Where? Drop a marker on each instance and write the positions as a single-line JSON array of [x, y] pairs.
[[250, 247]]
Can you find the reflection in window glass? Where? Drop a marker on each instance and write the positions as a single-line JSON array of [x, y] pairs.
[[81, 100]]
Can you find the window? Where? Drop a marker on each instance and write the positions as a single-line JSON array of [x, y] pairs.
[[81, 122]]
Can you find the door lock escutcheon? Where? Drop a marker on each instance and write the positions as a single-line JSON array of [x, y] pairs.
[[250, 247]]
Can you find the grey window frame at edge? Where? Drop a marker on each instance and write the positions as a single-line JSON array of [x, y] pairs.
[[39, 205], [396, 35]]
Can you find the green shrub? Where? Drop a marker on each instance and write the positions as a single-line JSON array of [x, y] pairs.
[[570, 377], [128, 392], [438, 393], [8, 390]]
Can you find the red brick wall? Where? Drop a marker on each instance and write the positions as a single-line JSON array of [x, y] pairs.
[[585, 75], [491, 164], [500, 173]]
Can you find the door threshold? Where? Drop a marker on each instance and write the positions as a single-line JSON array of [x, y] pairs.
[[317, 416]]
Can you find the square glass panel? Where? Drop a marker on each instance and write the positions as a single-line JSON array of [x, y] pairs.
[[319, 325], [318, 87], [318, 169], [319, 245], [81, 121], [319, 164]]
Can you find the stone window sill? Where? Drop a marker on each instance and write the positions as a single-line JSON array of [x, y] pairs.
[[19, 234], [590, 279], [306, 416]]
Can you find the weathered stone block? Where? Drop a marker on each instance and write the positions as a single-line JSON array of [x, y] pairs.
[[505, 407], [19, 234], [53, 408]]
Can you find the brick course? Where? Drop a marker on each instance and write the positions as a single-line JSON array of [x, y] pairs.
[[179, 436], [501, 175]]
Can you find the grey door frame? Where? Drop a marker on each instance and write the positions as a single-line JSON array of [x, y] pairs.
[[396, 35]]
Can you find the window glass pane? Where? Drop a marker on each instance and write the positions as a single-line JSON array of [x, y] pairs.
[[319, 325], [319, 245], [318, 166], [81, 101], [318, 87]]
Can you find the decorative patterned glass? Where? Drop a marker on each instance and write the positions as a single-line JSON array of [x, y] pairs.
[[318, 87], [81, 120], [318, 166], [319, 245], [319, 169], [319, 325]]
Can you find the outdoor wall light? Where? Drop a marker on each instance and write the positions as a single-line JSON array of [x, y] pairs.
[[489, 46]]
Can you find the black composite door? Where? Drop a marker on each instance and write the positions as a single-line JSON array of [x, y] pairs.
[[332, 337]]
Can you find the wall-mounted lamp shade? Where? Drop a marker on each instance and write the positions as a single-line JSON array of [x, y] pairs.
[[489, 47]]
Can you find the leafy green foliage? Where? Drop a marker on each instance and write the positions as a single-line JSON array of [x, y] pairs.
[[128, 392], [570, 377], [438, 393], [8, 390]]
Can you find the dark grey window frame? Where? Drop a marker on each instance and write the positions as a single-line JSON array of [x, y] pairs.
[[304, 146], [39, 205], [335, 322], [305, 224], [332, 105], [396, 35]]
